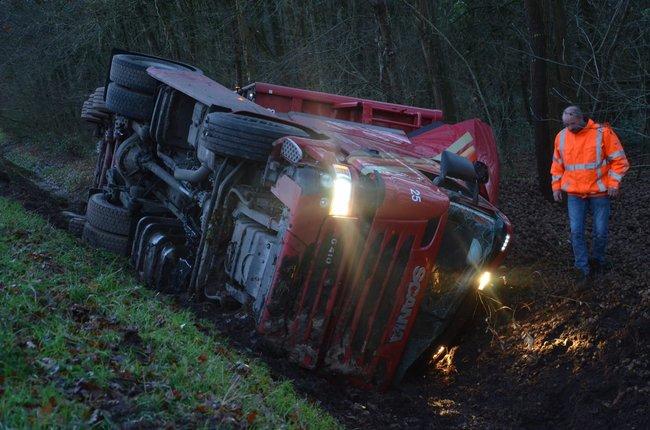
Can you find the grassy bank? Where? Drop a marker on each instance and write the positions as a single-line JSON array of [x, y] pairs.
[[81, 343]]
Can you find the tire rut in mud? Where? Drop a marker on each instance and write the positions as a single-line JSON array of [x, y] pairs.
[[19, 184]]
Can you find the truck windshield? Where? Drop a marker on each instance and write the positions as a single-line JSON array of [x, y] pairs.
[[467, 243]]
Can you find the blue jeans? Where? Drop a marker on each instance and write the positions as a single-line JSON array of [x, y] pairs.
[[578, 208]]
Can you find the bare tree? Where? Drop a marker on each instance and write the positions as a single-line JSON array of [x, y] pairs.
[[387, 55], [435, 60], [539, 105]]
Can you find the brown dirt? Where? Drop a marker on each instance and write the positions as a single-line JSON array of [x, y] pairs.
[[540, 356], [19, 184]]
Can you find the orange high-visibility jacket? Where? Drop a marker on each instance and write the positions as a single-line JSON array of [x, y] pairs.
[[589, 161]]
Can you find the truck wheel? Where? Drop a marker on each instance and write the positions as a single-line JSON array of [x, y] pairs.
[[109, 241], [76, 226], [129, 103], [130, 71], [108, 217], [243, 136]]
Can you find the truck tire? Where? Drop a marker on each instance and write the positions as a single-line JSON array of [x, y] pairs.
[[76, 226], [130, 71], [244, 137], [108, 217], [129, 103], [102, 239]]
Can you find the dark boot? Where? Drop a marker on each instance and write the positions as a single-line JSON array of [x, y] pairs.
[[598, 268], [580, 280]]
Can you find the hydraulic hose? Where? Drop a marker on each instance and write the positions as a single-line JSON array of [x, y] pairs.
[[192, 176]]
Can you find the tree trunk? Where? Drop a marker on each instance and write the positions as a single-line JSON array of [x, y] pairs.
[[524, 78], [543, 144], [242, 70], [387, 55], [563, 92], [434, 58]]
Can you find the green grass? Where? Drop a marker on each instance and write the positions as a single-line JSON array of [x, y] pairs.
[[82, 344]]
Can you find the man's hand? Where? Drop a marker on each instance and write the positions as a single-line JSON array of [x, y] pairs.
[[612, 192], [557, 196]]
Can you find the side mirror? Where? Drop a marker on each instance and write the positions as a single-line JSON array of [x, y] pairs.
[[482, 172], [454, 166]]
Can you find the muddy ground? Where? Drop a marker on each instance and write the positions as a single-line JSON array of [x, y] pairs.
[[540, 355]]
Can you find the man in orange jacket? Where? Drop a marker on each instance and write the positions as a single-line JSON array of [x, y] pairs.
[[588, 163]]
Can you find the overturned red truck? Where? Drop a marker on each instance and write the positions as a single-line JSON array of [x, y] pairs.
[[351, 229]]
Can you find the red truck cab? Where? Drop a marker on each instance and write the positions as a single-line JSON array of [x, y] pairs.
[[360, 278]]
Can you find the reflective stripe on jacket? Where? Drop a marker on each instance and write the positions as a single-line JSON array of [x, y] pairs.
[[589, 161]]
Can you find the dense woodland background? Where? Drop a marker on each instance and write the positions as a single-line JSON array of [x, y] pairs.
[[515, 64]]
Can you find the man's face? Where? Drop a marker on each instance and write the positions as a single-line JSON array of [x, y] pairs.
[[572, 120]]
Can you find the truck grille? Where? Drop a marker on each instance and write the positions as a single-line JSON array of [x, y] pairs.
[[371, 296], [350, 295]]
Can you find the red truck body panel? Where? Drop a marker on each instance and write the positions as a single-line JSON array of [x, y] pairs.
[[287, 99]]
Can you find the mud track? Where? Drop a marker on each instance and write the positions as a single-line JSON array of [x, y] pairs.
[[539, 355]]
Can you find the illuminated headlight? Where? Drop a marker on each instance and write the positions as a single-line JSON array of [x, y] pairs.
[[505, 243], [484, 280], [341, 191]]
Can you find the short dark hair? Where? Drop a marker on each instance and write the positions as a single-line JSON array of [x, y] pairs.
[[574, 110]]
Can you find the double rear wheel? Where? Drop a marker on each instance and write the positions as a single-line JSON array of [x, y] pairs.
[[131, 92], [107, 225]]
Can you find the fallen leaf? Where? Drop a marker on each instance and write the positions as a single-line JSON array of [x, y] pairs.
[[86, 388], [47, 408], [38, 256], [222, 351], [94, 417], [203, 358], [242, 368], [173, 394], [250, 418], [126, 375], [49, 364]]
